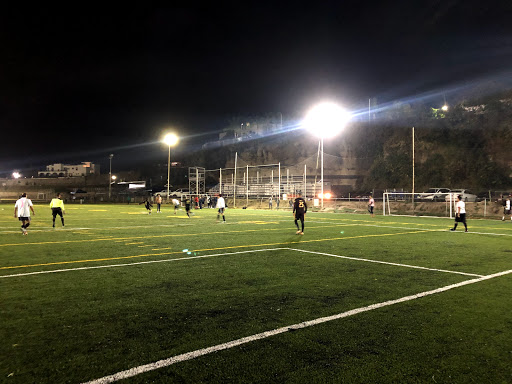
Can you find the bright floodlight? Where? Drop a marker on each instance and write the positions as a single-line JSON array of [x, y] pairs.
[[114, 177], [16, 175], [444, 107], [326, 120], [170, 139]]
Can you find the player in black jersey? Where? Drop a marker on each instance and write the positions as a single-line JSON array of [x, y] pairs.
[[147, 204], [299, 211], [187, 206]]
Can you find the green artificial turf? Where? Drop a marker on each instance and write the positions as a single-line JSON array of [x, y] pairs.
[[121, 288]]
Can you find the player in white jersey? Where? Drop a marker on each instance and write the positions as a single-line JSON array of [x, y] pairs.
[[460, 215], [176, 204], [22, 210], [506, 209], [221, 206]]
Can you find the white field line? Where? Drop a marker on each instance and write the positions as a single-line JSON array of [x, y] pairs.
[[139, 263], [234, 253], [388, 263], [482, 233], [259, 336], [416, 229], [379, 226]]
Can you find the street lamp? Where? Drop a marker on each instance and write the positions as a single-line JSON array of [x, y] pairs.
[[170, 140], [110, 176], [16, 175], [325, 120]]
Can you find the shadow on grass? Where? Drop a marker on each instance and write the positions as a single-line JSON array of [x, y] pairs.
[[295, 239]]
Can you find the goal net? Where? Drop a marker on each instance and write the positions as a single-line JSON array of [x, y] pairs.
[[418, 204]]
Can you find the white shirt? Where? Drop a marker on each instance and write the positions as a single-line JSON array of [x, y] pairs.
[[507, 205], [176, 202], [461, 205], [372, 202], [221, 203], [23, 206]]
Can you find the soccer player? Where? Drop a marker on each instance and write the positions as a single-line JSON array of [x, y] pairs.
[[506, 209], [221, 206], [371, 206], [460, 216], [57, 206], [176, 204], [22, 210], [187, 206], [299, 211], [147, 204], [158, 200]]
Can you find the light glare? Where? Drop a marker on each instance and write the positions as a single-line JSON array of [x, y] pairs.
[[170, 139], [326, 120]]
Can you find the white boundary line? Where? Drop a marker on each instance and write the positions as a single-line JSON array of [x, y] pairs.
[[259, 336], [69, 228], [416, 229], [388, 263], [140, 262]]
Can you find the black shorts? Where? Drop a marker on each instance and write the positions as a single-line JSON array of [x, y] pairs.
[[221, 211], [24, 218], [461, 218], [56, 211], [506, 211], [299, 216], [187, 207]]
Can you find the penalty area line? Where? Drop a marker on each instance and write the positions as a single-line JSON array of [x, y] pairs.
[[260, 336], [141, 262], [389, 263]]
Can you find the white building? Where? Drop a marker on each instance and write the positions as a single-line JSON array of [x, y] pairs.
[[66, 170]]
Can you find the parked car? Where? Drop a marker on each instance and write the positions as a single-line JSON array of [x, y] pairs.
[[434, 194], [465, 193]]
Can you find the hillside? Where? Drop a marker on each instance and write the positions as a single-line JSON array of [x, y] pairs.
[[467, 146]]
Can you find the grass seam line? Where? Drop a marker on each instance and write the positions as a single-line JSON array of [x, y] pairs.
[[263, 335]]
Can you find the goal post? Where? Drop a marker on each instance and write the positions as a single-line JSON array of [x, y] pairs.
[[417, 204]]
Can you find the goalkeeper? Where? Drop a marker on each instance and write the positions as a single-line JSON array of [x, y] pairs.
[[57, 206]]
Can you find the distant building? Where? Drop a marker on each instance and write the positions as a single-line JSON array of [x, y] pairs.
[[86, 168]]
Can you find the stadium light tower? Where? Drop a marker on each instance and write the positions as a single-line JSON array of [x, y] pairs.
[[110, 176], [325, 120], [170, 140]]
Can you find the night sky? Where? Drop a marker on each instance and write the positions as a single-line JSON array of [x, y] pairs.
[[81, 81]]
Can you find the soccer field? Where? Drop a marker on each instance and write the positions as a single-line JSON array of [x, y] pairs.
[[118, 294]]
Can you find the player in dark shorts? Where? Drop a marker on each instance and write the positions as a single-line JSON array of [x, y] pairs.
[[299, 211], [57, 207], [187, 206], [148, 205]]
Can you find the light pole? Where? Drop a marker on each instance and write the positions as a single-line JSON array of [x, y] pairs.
[[110, 176], [325, 120], [170, 140]]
